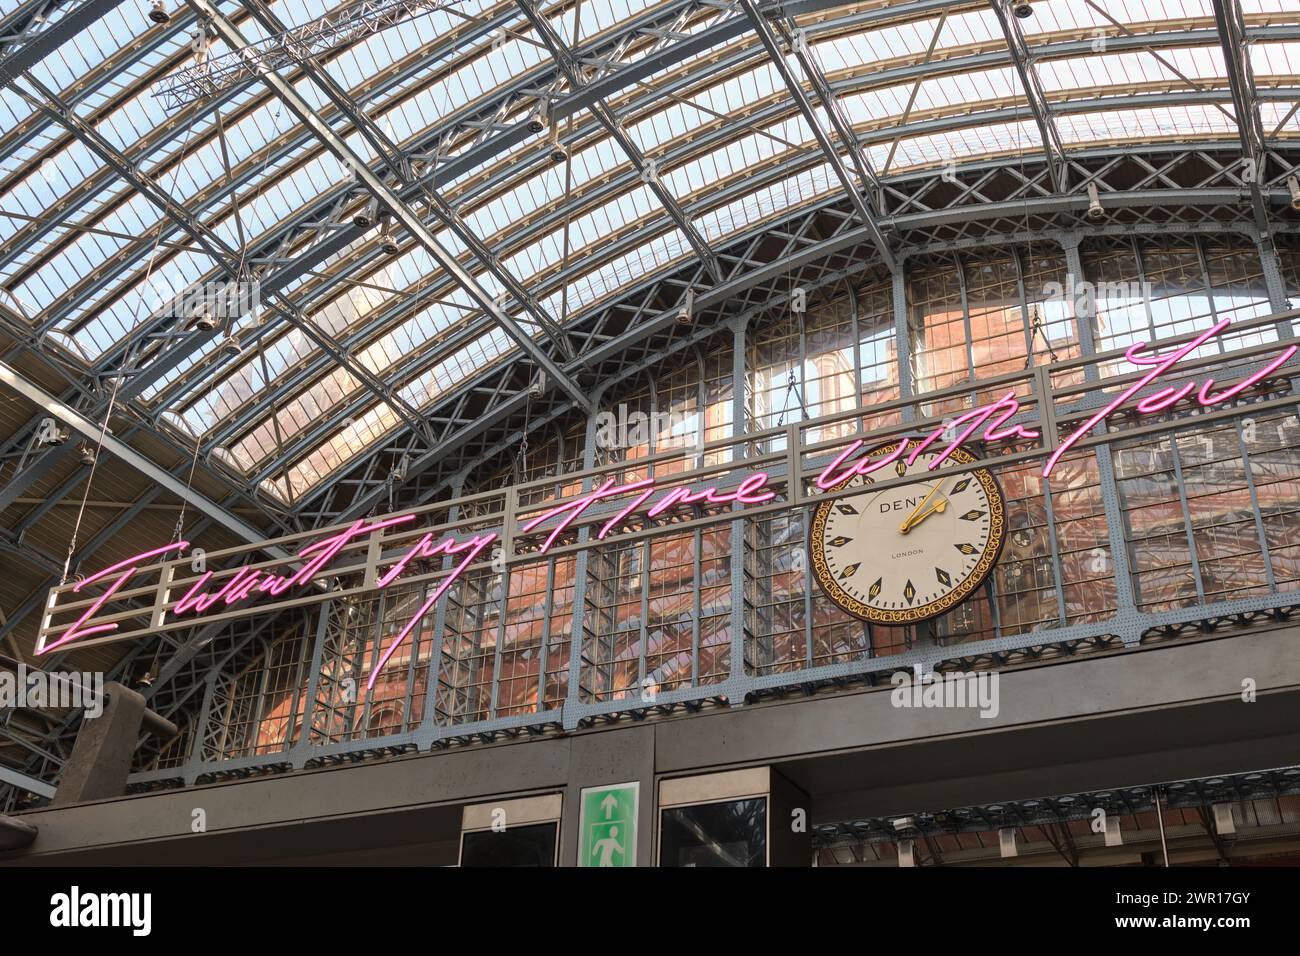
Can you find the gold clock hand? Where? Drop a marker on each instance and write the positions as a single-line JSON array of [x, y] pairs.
[[913, 517], [938, 506]]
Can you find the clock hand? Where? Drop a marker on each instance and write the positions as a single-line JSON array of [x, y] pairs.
[[937, 506], [914, 517]]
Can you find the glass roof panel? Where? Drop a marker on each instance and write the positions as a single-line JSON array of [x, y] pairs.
[[731, 151]]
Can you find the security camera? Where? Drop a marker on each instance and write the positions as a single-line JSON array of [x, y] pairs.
[[203, 319], [366, 216], [386, 242], [686, 311], [159, 13], [1293, 185], [1095, 210], [48, 432], [1022, 10], [536, 121]]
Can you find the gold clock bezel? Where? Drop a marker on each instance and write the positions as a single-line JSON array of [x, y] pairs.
[[983, 568]]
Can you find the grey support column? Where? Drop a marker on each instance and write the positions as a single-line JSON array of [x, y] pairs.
[[1115, 524], [739, 420], [1085, 310], [903, 339], [429, 731], [579, 617], [599, 759], [1272, 269]]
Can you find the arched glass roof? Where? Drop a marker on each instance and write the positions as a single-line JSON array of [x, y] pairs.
[[719, 145]]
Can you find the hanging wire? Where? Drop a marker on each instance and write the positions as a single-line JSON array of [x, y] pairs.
[[127, 359], [239, 271]]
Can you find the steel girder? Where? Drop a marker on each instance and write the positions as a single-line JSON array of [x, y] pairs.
[[863, 196], [1053, 149], [129, 456], [575, 73], [977, 200], [341, 237], [33, 45], [1241, 78], [402, 213], [24, 782], [399, 166], [1245, 97], [228, 259]]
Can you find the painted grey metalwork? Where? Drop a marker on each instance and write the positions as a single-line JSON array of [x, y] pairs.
[[28, 41], [1196, 187], [860, 195], [647, 170], [1033, 90], [10, 379], [287, 48], [391, 201]]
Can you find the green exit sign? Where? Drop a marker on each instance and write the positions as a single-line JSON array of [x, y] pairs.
[[607, 825]]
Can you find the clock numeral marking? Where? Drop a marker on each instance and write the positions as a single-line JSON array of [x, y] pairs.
[[943, 577], [900, 468], [972, 515], [874, 591], [838, 542], [849, 570], [845, 509], [909, 592], [960, 486], [965, 548]]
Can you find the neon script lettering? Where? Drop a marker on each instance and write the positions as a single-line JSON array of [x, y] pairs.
[[987, 423]]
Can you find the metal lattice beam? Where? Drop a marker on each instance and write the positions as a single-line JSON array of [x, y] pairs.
[[129, 456], [1245, 97], [645, 168], [36, 44], [287, 48], [1033, 89], [400, 168], [233, 264], [859, 196], [402, 213]]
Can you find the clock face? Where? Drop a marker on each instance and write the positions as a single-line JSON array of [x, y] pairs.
[[911, 552]]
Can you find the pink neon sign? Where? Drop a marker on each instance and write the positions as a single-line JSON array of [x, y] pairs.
[[988, 422]]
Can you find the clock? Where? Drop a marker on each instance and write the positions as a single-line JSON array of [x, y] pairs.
[[911, 552]]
